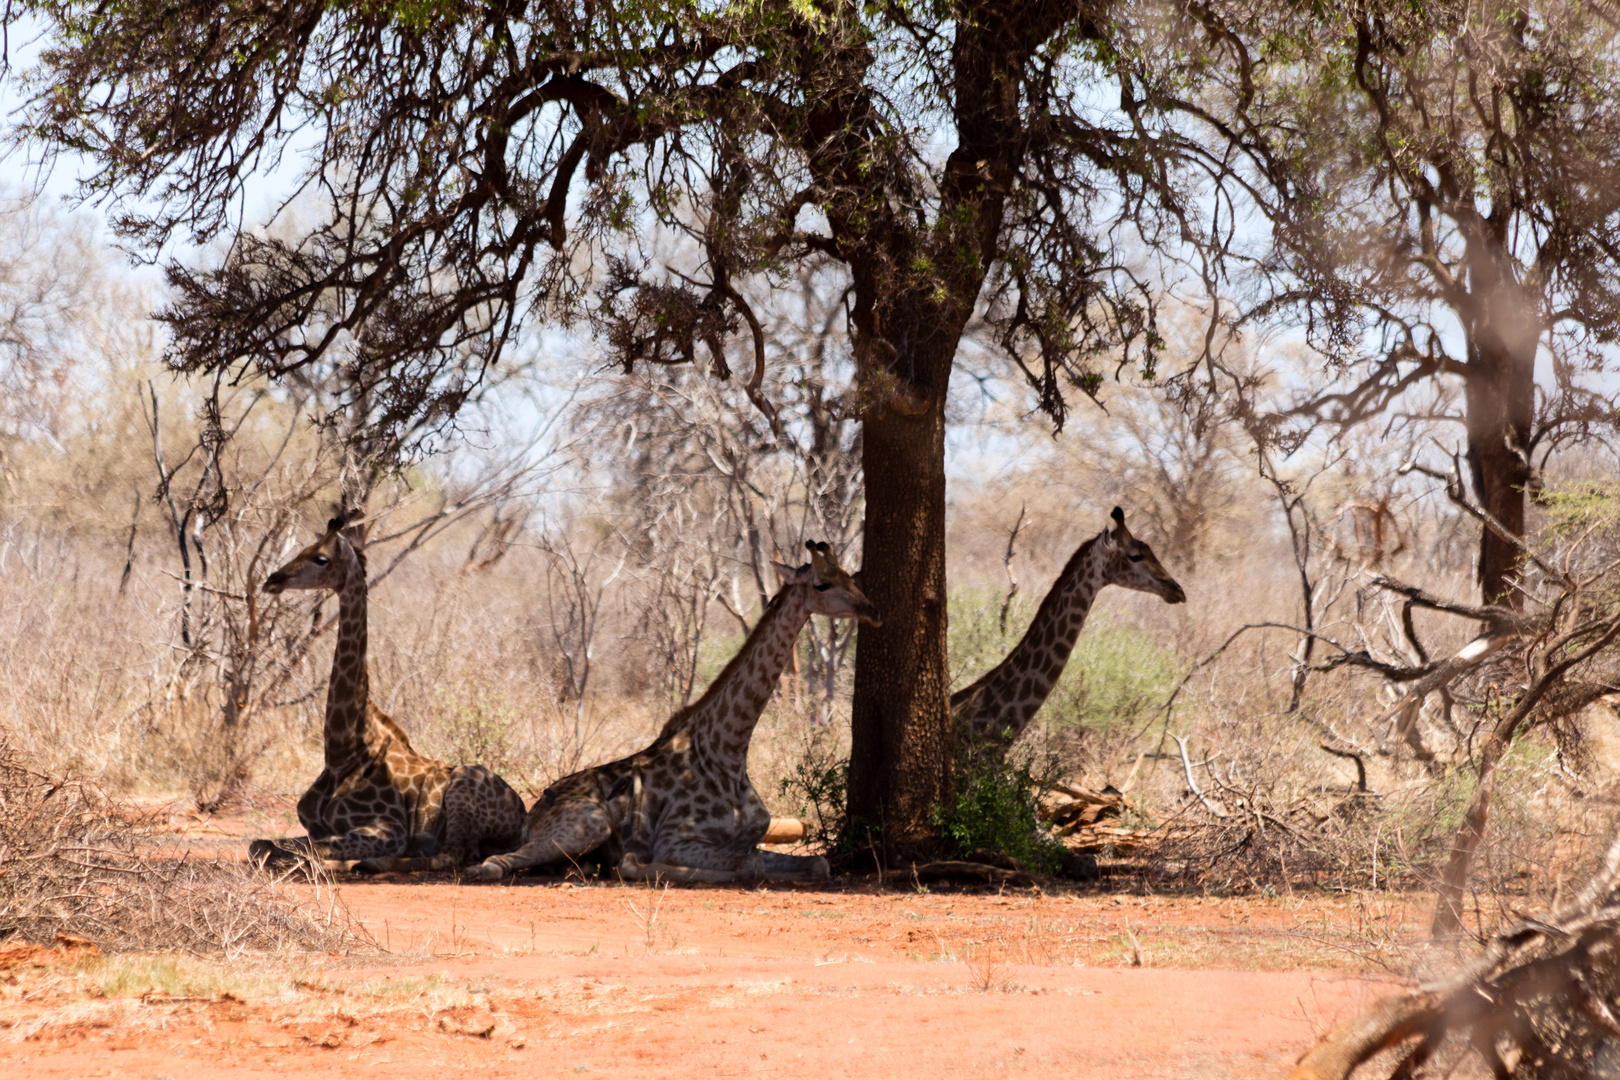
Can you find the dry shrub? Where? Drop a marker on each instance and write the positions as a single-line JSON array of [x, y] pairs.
[[74, 861], [1535, 1003]]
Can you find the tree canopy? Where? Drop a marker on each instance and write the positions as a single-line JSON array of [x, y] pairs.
[[478, 167], [1439, 189], [474, 169]]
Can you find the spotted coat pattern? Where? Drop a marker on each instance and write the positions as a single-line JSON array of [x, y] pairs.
[[377, 800], [684, 809], [994, 710]]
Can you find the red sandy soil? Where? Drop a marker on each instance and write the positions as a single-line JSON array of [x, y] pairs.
[[549, 978]]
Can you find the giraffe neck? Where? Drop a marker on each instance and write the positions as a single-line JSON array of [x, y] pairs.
[[348, 691], [721, 722], [1002, 702]]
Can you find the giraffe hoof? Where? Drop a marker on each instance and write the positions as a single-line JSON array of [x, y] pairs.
[[262, 853], [482, 872]]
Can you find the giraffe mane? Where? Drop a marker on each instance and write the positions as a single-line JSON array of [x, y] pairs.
[[1051, 600], [772, 609]]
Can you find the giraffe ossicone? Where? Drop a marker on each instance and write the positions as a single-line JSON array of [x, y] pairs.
[[684, 809], [992, 712], [377, 801]]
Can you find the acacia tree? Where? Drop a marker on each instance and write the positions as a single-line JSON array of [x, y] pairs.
[[1442, 186], [483, 166]]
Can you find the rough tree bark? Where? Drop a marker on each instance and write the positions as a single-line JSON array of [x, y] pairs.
[[900, 752], [909, 332], [1503, 332]]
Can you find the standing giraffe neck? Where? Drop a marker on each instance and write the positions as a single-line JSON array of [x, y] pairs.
[[722, 721], [348, 691], [1000, 704]]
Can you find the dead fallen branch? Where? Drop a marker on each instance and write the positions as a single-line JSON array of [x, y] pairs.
[[969, 873], [1069, 808], [783, 830], [1111, 840]]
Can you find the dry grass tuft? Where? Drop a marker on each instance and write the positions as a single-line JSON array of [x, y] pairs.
[[79, 864]]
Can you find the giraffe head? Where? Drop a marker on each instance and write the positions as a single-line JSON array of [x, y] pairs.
[[1131, 563], [833, 591], [325, 563]]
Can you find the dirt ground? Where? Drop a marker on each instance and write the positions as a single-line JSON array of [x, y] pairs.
[[545, 977]]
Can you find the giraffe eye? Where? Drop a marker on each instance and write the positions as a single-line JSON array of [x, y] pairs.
[[1137, 557], [824, 586], [320, 560]]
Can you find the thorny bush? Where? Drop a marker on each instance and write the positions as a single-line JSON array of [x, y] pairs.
[[74, 861]]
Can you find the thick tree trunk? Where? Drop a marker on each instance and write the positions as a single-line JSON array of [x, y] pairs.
[[1500, 410], [914, 293], [1500, 392], [900, 753]]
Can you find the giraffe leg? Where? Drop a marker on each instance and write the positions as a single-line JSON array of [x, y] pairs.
[[408, 864], [481, 811], [289, 852], [376, 840], [697, 861], [775, 866], [564, 830], [631, 868]]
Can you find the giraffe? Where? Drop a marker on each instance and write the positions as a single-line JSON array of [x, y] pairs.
[[994, 710], [377, 800], [683, 809]]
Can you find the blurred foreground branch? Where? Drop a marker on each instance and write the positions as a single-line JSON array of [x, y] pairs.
[[1538, 1002]]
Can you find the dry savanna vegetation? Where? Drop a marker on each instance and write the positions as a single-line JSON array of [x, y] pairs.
[[1320, 718], [598, 315]]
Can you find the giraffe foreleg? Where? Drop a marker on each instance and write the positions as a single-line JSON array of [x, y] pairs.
[[776, 866], [290, 852], [631, 868], [563, 830], [379, 840]]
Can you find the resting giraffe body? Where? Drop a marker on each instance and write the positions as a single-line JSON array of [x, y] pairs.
[[684, 809], [992, 712], [377, 799]]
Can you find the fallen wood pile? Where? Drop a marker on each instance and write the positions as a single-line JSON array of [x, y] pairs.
[[1084, 820], [1070, 808], [1538, 1003], [1109, 840]]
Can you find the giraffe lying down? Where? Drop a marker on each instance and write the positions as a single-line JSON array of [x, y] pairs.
[[683, 809], [377, 800]]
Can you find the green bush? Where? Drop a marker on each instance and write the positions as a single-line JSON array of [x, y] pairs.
[[995, 808], [818, 790]]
